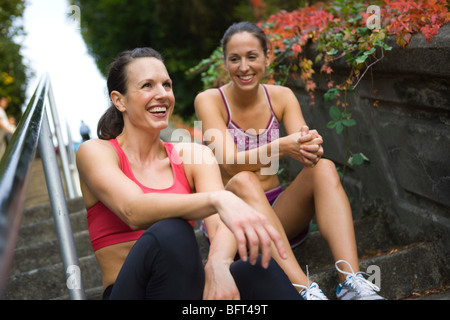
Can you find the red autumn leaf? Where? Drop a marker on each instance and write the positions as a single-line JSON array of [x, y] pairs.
[[310, 85], [403, 38]]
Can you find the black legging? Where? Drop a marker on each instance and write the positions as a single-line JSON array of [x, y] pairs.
[[165, 264]]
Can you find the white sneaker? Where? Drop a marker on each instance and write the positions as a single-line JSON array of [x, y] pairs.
[[356, 287], [311, 291]]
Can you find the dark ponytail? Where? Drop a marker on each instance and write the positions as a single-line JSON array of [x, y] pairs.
[[111, 123]]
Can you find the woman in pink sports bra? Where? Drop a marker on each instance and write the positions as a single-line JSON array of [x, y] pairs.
[[240, 124], [140, 193]]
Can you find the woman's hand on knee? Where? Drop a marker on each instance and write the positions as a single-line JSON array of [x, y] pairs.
[[252, 230], [219, 283]]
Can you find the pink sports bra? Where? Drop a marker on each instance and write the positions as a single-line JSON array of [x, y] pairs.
[[245, 140], [105, 227]]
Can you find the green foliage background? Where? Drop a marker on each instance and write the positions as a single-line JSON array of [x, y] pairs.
[[184, 32], [12, 64]]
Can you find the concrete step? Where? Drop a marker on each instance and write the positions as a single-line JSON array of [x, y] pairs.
[[44, 230], [44, 211], [41, 254], [403, 269], [402, 272], [37, 272], [371, 232], [49, 282], [413, 268]]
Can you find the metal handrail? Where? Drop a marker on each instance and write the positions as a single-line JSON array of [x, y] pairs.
[[15, 167]]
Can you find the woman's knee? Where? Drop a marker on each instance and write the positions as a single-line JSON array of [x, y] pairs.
[[326, 171], [165, 226], [245, 184], [174, 236]]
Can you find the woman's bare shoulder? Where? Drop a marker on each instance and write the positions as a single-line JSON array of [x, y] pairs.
[[194, 153], [207, 97], [93, 144], [95, 149], [282, 99], [209, 105], [209, 93], [278, 91]]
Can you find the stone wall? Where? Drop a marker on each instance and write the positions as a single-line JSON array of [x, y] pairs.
[[406, 138]]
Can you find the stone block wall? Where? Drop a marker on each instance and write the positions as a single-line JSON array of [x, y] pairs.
[[406, 138]]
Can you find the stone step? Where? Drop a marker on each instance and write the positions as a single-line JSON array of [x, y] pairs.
[[44, 211], [401, 273], [403, 269], [38, 255], [37, 272], [38, 267], [371, 232], [44, 230], [413, 268], [94, 293], [49, 282]]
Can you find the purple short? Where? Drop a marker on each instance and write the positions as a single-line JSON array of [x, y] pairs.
[[272, 196]]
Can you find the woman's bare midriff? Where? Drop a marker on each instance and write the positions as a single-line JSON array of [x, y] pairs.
[[111, 259]]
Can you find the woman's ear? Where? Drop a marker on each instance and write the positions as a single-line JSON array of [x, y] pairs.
[[269, 58], [118, 100], [225, 65]]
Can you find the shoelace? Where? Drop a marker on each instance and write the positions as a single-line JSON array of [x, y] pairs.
[[312, 293], [360, 284]]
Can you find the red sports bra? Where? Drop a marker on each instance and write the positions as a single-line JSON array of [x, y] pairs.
[[105, 227]]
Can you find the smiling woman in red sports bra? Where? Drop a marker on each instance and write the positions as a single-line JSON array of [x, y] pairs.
[[140, 193], [240, 122]]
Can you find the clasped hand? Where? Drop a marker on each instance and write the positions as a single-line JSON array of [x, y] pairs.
[[305, 146]]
